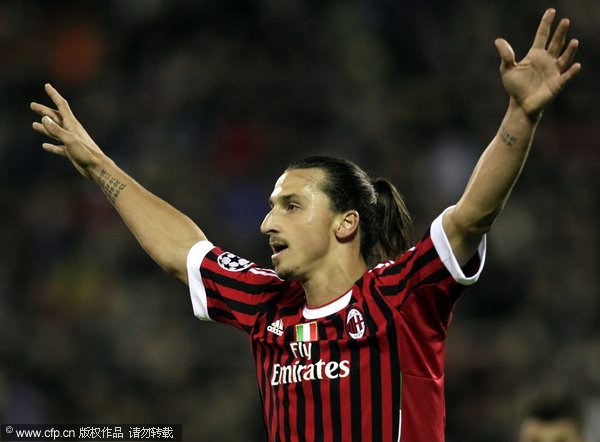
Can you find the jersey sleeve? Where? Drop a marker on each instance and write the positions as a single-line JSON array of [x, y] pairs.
[[429, 274], [227, 288]]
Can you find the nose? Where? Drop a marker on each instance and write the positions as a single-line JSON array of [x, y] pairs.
[[268, 225]]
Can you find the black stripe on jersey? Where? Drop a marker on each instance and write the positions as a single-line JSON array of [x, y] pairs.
[[334, 385], [220, 313], [293, 304], [394, 357], [260, 356], [245, 286], [435, 277], [262, 366], [355, 393], [279, 410], [271, 412], [269, 319], [432, 279], [300, 411], [286, 401], [376, 406], [316, 389], [417, 265], [238, 306], [278, 413]]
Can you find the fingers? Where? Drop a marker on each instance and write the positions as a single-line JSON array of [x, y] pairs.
[[39, 127], [543, 31], [53, 148], [45, 111], [52, 119], [569, 74], [507, 55], [565, 60], [50, 128], [558, 39], [58, 100]]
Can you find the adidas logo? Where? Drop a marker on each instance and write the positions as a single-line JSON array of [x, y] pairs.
[[276, 327]]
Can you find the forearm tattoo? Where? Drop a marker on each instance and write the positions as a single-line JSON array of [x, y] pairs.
[[507, 138], [111, 186]]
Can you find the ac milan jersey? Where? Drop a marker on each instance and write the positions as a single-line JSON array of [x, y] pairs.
[[367, 366]]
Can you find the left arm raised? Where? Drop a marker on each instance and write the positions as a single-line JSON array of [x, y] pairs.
[[532, 84]]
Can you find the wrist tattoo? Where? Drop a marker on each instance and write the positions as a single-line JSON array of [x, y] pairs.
[[507, 138], [111, 187]]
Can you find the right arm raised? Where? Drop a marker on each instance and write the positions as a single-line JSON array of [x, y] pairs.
[[163, 232]]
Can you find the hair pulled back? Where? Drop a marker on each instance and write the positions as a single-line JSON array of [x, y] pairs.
[[385, 224]]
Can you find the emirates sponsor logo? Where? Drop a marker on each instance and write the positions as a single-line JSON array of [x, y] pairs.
[[299, 372], [355, 324]]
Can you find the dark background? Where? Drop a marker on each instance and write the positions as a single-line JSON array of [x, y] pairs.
[[205, 102]]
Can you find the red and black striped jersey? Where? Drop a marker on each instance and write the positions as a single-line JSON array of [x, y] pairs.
[[367, 366]]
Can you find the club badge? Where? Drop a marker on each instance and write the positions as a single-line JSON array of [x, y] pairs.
[[355, 323]]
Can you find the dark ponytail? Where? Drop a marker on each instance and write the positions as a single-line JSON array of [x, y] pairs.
[[392, 223], [385, 224]]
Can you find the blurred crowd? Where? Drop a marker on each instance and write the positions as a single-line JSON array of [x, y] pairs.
[[205, 103]]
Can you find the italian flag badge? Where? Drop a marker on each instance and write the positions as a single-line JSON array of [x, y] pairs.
[[307, 332]]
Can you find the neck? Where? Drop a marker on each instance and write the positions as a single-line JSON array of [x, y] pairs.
[[331, 282]]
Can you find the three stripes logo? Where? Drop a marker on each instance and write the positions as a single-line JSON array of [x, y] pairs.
[[276, 327]]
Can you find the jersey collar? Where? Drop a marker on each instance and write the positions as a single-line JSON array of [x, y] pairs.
[[328, 309]]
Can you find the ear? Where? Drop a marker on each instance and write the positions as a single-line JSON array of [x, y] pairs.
[[347, 224]]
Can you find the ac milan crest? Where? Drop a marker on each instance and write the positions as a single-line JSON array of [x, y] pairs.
[[355, 323], [232, 262]]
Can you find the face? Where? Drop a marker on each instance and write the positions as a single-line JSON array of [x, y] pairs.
[[300, 224], [561, 430]]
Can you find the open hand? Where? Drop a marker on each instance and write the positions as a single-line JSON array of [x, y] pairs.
[[537, 79], [61, 125]]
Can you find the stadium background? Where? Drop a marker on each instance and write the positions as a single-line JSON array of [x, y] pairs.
[[205, 102]]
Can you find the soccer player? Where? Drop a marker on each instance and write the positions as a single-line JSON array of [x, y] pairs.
[[552, 418], [348, 330]]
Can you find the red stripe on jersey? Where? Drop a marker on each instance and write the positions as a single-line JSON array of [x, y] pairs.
[[292, 413], [309, 411], [324, 355], [385, 373]]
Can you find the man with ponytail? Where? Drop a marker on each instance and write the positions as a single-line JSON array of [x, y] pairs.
[[348, 330]]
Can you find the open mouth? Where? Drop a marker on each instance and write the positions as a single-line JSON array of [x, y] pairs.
[[277, 246]]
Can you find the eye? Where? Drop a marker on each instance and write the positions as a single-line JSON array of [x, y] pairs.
[[291, 207]]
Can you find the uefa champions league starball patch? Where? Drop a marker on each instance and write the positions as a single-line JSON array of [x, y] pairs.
[[233, 263]]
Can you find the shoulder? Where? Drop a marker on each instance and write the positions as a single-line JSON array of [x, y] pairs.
[[421, 254]]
